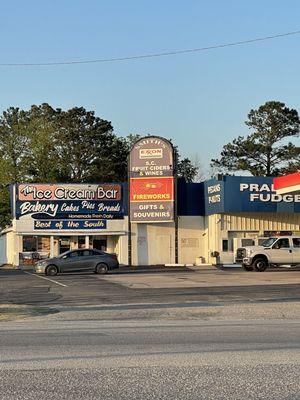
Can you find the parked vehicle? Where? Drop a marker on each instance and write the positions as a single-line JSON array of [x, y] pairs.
[[275, 251], [78, 260]]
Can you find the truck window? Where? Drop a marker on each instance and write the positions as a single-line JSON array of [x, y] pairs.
[[282, 243], [296, 242], [268, 242]]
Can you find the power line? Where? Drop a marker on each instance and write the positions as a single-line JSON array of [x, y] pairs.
[[151, 55]]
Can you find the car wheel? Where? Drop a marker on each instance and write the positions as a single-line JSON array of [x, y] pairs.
[[101, 269], [260, 264], [247, 267], [51, 270]]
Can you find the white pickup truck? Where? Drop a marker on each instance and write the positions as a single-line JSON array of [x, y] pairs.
[[275, 251]]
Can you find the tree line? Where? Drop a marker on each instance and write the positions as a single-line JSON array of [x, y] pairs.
[[49, 145], [267, 150]]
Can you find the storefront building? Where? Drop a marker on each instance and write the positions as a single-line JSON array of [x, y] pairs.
[[218, 215], [244, 210]]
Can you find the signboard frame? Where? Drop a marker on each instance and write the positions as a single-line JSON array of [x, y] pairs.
[[247, 194], [153, 171], [77, 206]]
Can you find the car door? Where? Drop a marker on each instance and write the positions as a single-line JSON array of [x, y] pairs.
[[69, 262], [81, 260], [86, 259], [282, 252]]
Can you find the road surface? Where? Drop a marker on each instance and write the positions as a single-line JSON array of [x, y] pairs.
[[92, 359]]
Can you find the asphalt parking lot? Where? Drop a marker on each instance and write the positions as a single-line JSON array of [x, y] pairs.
[[139, 287], [156, 334]]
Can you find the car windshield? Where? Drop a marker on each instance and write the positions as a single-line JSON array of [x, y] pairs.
[[269, 242]]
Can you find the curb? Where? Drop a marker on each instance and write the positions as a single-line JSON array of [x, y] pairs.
[[8, 266]]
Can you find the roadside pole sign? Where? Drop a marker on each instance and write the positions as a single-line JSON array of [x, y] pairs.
[[152, 195]]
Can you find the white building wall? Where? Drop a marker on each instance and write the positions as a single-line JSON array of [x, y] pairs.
[[7, 247], [192, 239], [3, 257], [154, 244], [213, 232], [122, 244], [15, 248], [161, 243]]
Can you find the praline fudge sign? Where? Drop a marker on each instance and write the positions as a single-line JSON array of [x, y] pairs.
[[69, 201], [152, 180]]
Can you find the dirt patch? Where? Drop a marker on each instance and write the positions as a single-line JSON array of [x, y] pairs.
[[10, 312], [275, 310], [224, 312]]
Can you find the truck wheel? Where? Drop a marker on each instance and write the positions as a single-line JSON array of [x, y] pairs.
[[260, 264], [247, 267]]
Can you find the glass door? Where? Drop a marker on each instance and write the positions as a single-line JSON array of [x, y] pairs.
[[64, 244], [100, 243]]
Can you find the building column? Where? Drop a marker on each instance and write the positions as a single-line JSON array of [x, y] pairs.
[[87, 242], [17, 248], [51, 246]]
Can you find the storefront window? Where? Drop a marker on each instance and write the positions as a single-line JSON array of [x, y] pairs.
[[30, 243], [81, 242], [225, 245], [100, 244], [43, 243]]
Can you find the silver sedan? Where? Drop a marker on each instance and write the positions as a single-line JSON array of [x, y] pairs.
[[78, 260]]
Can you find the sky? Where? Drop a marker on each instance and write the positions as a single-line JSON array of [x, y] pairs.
[[199, 100]]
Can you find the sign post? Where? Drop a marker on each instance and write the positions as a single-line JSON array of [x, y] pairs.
[[129, 219], [152, 185], [176, 209]]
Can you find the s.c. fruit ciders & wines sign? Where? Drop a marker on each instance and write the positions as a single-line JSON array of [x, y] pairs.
[[151, 175]]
